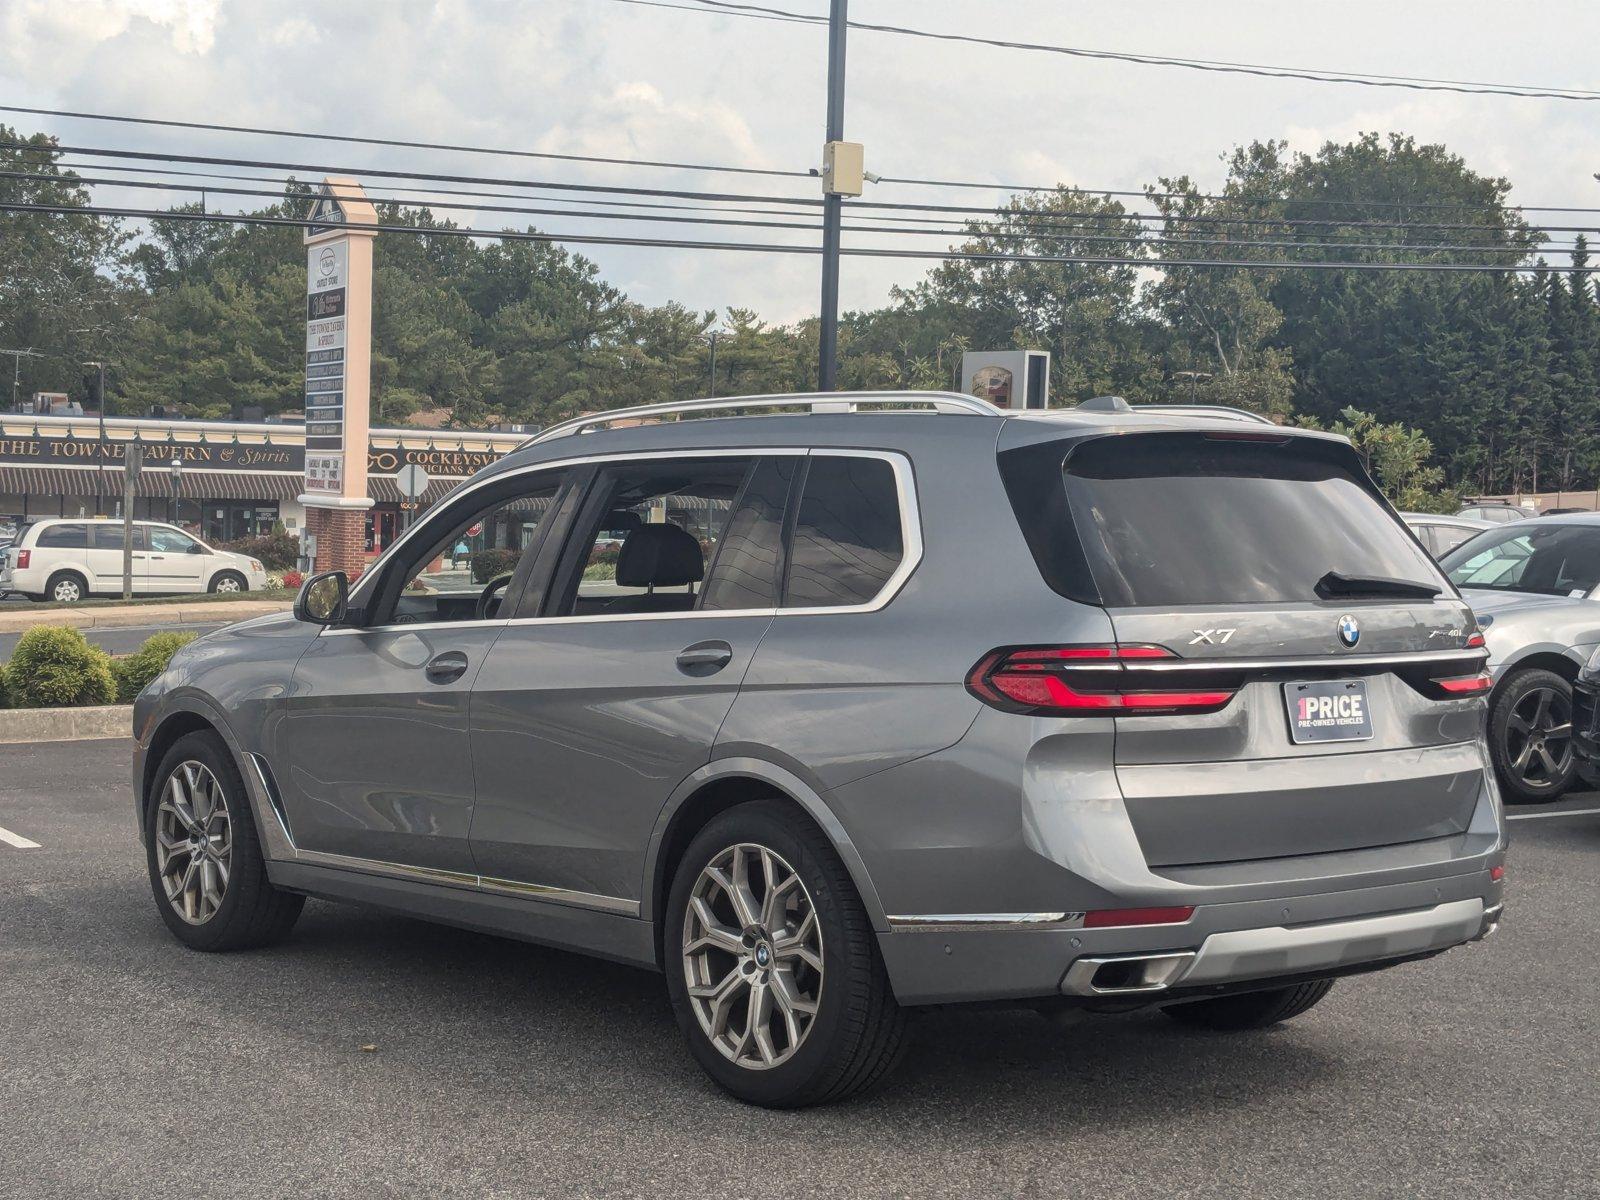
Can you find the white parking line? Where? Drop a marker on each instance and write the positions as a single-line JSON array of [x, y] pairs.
[[17, 840], [1566, 812]]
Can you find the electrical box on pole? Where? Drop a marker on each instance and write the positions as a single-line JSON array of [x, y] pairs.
[[843, 169]]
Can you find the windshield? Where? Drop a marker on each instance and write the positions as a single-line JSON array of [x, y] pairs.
[[1544, 559], [1178, 520]]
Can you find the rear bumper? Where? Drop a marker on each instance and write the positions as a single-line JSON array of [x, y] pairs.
[[1222, 945]]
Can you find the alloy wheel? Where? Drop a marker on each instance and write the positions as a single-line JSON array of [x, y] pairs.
[[1539, 738], [228, 584], [752, 956], [67, 591], [194, 842]]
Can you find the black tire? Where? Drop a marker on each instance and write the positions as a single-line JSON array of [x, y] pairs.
[[252, 912], [858, 1033], [66, 577], [1250, 1010], [1515, 703], [243, 584]]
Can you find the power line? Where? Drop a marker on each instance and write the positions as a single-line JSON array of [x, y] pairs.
[[406, 144], [259, 164], [778, 248], [761, 171], [1361, 78], [988, 211], [1042, 233]]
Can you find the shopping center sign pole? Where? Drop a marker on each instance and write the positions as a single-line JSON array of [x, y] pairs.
[[338, 240]]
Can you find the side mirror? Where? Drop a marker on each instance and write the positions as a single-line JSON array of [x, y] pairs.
[[196, 548], [323, 599]]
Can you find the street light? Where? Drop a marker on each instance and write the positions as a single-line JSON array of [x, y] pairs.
[[1193, 377], [100, 465], [175, 472]]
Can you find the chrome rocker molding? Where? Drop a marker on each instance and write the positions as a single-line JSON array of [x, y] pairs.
[[1242, 954], [280, 847], [986, 922]]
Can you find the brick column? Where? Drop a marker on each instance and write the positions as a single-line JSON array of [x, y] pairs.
[[341, 539]]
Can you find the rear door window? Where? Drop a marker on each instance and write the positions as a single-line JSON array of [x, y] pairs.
[[847, 535], [747, 571], [1170, 520], [64, 537], [109, 537], [1555, 559]]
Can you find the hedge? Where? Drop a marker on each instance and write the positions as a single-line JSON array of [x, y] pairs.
[[134, 673], [56, 667], [491, 564], [277, 551]]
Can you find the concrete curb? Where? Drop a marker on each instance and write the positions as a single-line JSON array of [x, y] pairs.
[[65, 724], [143, 614]]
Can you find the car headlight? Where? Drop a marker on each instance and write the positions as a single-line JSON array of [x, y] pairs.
[[1593, 665], [255, 565]]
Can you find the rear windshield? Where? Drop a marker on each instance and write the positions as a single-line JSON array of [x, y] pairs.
[[1555, 559], [1182, 519]]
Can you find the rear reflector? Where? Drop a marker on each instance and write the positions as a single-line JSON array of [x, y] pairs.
[[1107, 918], [1466, 685], [1081, 681], [1496, 874]]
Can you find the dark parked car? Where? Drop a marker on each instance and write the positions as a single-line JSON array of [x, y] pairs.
[[886, 701]]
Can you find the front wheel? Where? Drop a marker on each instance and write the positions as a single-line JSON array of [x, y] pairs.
[[228, 581], [772, 966], [206, 869], [1250, 1010], [1530, 737]]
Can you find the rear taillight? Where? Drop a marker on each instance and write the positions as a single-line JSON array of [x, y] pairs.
[[1082, 681], [1476, 642], [24, 557], [1465, 685]]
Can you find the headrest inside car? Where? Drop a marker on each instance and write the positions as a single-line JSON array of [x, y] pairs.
[[659, 556], [621, 519]]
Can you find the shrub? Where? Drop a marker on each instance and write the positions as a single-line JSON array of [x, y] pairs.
[[5, 696], [277, 551], [134, 673], [293, 579], [55, 667], [491, 564]]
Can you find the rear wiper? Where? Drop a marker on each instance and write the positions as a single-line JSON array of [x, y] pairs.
[[1335, 584]]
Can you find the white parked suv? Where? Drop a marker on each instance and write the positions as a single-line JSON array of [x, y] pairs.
[[69, 560]]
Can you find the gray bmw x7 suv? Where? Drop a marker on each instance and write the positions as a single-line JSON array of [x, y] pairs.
[[854, 704]]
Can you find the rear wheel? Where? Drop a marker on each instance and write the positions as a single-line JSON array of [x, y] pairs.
[[1250, 1010], [772, 966], [206, 869], [66, 587], [1530, 736]]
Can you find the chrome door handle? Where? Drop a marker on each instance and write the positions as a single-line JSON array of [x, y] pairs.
[[446, 667], [704, 658]]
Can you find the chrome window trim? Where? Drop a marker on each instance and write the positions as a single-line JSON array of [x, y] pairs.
[[905, 493], [982, 922]]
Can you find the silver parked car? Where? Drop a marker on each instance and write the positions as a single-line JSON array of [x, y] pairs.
[[884, 701], [1535, 588], [1440, 534]]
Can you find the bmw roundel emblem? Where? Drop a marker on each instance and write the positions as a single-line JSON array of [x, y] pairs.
[[1349, 630]]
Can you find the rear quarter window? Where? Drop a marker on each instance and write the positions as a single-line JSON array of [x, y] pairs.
[[847, 536], [63, 537]]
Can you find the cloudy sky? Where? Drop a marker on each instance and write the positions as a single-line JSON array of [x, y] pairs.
[[603, 77]]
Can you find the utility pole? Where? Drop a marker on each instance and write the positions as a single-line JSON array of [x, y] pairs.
[[100, 464], [713, 336], [833, 200], [16, 370]]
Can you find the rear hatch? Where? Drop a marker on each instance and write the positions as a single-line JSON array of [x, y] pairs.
[[1304, 679]]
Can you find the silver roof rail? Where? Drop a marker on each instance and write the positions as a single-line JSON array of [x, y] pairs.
[[813, 402], [1206, 410]]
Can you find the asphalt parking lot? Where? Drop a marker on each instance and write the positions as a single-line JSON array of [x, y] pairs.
[[133, 1067]]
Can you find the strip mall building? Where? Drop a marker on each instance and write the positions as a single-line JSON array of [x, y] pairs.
[[236, 480]]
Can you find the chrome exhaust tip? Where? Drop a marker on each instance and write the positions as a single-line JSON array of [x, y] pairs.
[[1491, 922], [1126, 974]]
